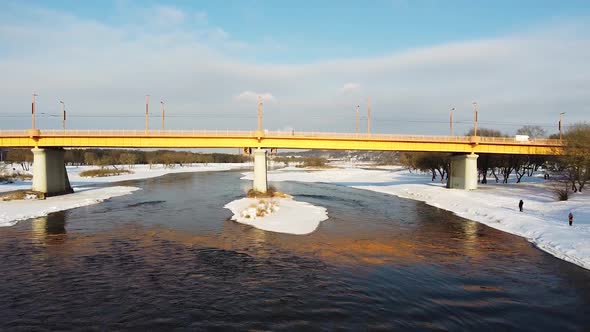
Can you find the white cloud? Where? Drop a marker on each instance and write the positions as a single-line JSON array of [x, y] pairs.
[[169, 15], [350, 87], [252, 97], [218, 33], [201, 17]]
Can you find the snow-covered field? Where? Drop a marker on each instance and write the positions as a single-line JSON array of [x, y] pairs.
[[543, 222], [289, 216], [13, 211]]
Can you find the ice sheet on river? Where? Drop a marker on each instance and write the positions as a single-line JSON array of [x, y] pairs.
[[289, 216]]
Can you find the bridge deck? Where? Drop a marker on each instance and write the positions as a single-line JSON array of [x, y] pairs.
[[268, 139]]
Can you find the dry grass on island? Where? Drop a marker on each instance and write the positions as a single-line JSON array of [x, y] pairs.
[[11, 178], [270, 193], [265, 205], [102, 172], [316, 163], [20, 195]]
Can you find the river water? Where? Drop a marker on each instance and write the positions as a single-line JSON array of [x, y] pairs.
[[168, 257]]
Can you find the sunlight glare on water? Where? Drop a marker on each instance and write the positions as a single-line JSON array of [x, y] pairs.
[[169, 257]]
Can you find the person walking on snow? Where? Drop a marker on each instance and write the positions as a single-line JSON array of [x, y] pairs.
[[520, 204], [571, 218]]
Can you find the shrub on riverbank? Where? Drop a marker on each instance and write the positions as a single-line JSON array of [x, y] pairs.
[[4, 178], [22, 195], [270, 193], [104, 172]]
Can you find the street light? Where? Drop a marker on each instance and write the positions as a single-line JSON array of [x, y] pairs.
[[147, 116], [474, 118], [560, 123], [33, 111], [162, 104], [259, 115], [357, 119], [451, 120], [63, 113], [368, 116]]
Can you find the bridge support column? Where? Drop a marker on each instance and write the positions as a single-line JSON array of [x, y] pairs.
[[463, 172], [260, 183], [49, 172]]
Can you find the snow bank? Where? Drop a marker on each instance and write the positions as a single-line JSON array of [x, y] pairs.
[[144, 172], [285, 215], [543, 222], [13, 211]]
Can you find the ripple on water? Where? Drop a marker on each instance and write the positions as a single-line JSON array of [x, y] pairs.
[[168, 258]]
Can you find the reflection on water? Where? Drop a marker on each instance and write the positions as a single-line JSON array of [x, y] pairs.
[[169, 257], [50, 229]]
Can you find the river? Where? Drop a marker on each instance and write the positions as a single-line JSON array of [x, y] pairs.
[[168, 257]]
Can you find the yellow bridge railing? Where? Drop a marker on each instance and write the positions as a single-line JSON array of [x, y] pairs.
[[279, 134], [274, 139]]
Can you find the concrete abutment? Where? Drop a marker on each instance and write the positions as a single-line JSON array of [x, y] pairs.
[[49, 172], [463, 172], [260, 167]]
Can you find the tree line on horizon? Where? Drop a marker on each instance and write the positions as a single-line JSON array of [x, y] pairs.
[[114, 157]]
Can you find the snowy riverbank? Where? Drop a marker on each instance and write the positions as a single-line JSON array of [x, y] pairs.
[[287, 215], [543, 222], [13, 211]]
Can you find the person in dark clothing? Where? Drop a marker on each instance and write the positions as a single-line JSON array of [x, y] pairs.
[[520, 204], [571, 218]]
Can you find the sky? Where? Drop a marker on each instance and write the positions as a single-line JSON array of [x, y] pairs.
[[313, 62]]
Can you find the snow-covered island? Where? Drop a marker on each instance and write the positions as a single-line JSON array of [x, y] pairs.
[[282, 215]]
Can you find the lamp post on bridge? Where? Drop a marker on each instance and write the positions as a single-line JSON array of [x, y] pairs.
[[474, 118], [560, 124], [162, 104], [451, 121], [147, 116], [33, 111], [368, 116], [63, 115], [260, 115], [357, 119]]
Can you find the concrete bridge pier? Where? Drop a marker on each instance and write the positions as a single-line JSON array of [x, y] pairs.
[[260, 182], [49, 172], [463, 172]]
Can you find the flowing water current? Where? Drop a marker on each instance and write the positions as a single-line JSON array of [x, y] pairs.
[[168, 258]]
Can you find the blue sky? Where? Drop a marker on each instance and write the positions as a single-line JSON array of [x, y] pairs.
[[522, 61], [304, 31]]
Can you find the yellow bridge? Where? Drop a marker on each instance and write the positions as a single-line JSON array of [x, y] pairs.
[[50, 175], [270, 139]]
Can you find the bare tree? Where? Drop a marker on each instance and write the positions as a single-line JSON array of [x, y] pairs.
[[576, 157], [532, 131], [128, 159]]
